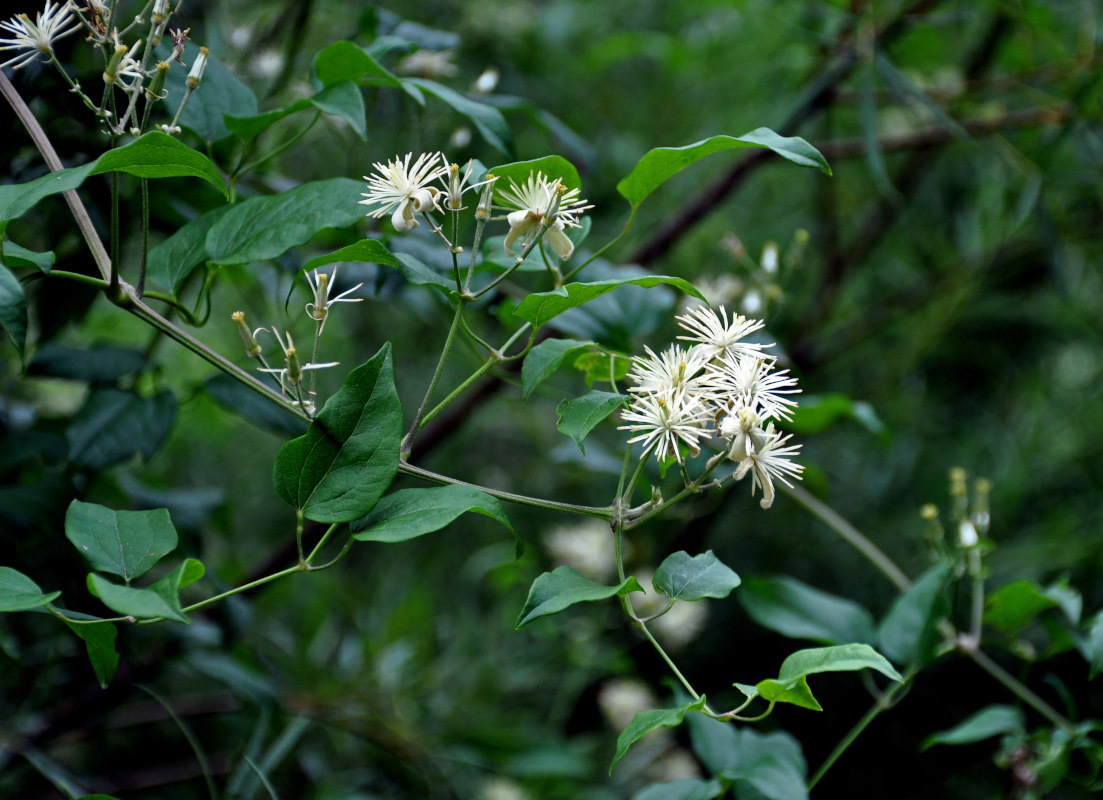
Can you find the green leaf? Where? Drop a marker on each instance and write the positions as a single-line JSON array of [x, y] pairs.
[[13, 312], [539, 307], [131, 602], [265, 227], [173, 259], [232, 395], [791, 685], [158, 155], [488, 120], [797, 610], [580, 416], [988, 722], [1013, 606], [772, 764], [219, 94], [348, 457], [660, 164], [685, 577], [544, 359], [552, 166], [345, 61], [168, 588], [20, 593], [1094, 645], [99, 642], [562, 588], [123, 543], [415, 512], [909, 632], [604, 366], [250, 127], [19, 257], [819, 412], [646, 721], [715, 743], [344, 100], [16, 199], [682, 789], [100, 364], [114, 425]]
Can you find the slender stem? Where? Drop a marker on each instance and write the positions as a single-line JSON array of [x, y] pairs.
[[408, 442], [79, 278], [605, 513], [243, 588], [322, 542], [976, 616], [882, 704], [626, 498], [485, 367], [982, 660], [851, 536], [270, 155], [140, 287], [516, 262], [299, 536], [621, 235]]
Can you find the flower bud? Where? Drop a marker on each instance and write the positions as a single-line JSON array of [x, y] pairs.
[[111, 71], [294, 367], [486, 198], [455, 188], [160, 11], [252, 346], [156, 86], [195, 76]]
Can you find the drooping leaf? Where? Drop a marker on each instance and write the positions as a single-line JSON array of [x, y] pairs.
[[348, 457], [992, 721], [341, 99], [772, 764], [716, 743], [539, 307], [100, 364], [562, 588], [114, 425], [544, 359], [797, 610], [20, 593], [415, 512], [660, 164], [18, 257], [581, 415], [791, 685], [909, 632], [173, 259], [552, 166], [646, 721], [220, 93], [265, 227], [682, 789], [131, 602], [488, 120], [99, 642], [123, 543], [13, 311], [685, 577]]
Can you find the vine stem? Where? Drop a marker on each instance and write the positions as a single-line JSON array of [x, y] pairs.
[[408, 442]]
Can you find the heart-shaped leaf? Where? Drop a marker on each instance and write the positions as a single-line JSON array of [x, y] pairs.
[[562, 588]]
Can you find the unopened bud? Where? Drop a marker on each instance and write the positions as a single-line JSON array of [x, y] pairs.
[[160, 11], [486, 198], [195, 76], [558, 190], [111, 71], [252, 346], [294, 368], [967, 535], [156, 86], [455, 188]]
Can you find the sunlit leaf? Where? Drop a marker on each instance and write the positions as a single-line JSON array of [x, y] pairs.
[[791, 685], [553, 167]]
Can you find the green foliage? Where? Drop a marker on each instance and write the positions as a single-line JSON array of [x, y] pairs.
[[986, 723], [20, 593], [338, 470], [799, 611], [13, 311], [646, 721], [685, 577], [562, 588], [123, 543], [410, 513], [908, 633], [541, 307], [791, 685], [545, 359], [581, 415]]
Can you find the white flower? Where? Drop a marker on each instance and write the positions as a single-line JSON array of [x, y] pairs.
[[719, 336], [770, 461], [319, 285], [752, 383], [663, 419], [676, 368], [542, 205], [402, 190], [39, 36]]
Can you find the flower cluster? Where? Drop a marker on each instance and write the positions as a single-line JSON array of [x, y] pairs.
[[539, 207], [719, 385]]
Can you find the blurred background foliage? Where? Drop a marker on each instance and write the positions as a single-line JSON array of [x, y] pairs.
[[942, 292]]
